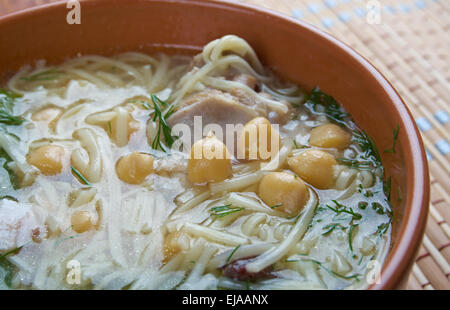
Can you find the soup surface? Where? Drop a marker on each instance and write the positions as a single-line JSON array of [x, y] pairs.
[[175, 172]]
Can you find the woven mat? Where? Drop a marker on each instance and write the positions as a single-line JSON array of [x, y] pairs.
[[409, 42]]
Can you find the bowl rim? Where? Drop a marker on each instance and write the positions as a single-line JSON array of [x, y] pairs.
[[401, 255]]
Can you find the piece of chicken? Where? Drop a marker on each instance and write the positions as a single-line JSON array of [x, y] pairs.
[[214, 107]]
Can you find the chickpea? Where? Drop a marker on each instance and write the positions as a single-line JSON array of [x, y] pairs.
[[314, 167], [209, 161], [82, 221], [330, 136], [284, 190], [174, 243], [134, 168], [253, 142], [48, 159]]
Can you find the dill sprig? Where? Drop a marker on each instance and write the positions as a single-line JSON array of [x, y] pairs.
[[366, 192], [276, 206], [7, 266], [13, 251], [394, 140], [350, 236], [161, 118], [383, 228], [331, 272], [357, 164], [80, 176], [221, 211], [331, 227], [340, 208], [332, 109], [45, 75], [59, 239], [6, 160], [366, 144], [8, 197], [355, 276], [7, 100], [232, 253]]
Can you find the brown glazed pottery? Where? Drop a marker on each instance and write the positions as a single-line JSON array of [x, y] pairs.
[[295, 50]]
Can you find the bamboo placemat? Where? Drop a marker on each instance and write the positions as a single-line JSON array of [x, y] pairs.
[[411, 46]]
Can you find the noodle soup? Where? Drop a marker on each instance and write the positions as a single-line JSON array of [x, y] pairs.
[[174, 172]]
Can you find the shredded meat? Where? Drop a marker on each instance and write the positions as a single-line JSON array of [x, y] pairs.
[[236, 270], [215, 107]]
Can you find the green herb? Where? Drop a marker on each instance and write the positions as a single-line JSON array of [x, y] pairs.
[[350, 233], [332, 109], [370, 158], [367, 146], [221, 211], [378, 207], [362, 204], [360, 260], [276, 206], [46, 75], [9, 198], [332, 227], [387, 188], [110, 127], [357, 164], [6, 161], [367, 193], [340, 208], [163, 127], [319, 209], [7, 101], [80, 176], [394, 140], [355, 276], [382, 228], [13, 251], [59, 239], [65, 239], [399, 194], [295, 144], [232, 253], [7, 266]]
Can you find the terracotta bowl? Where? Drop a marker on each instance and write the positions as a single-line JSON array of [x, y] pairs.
[[296, 51]]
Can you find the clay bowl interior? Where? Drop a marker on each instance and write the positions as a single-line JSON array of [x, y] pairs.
[[296, 51]]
